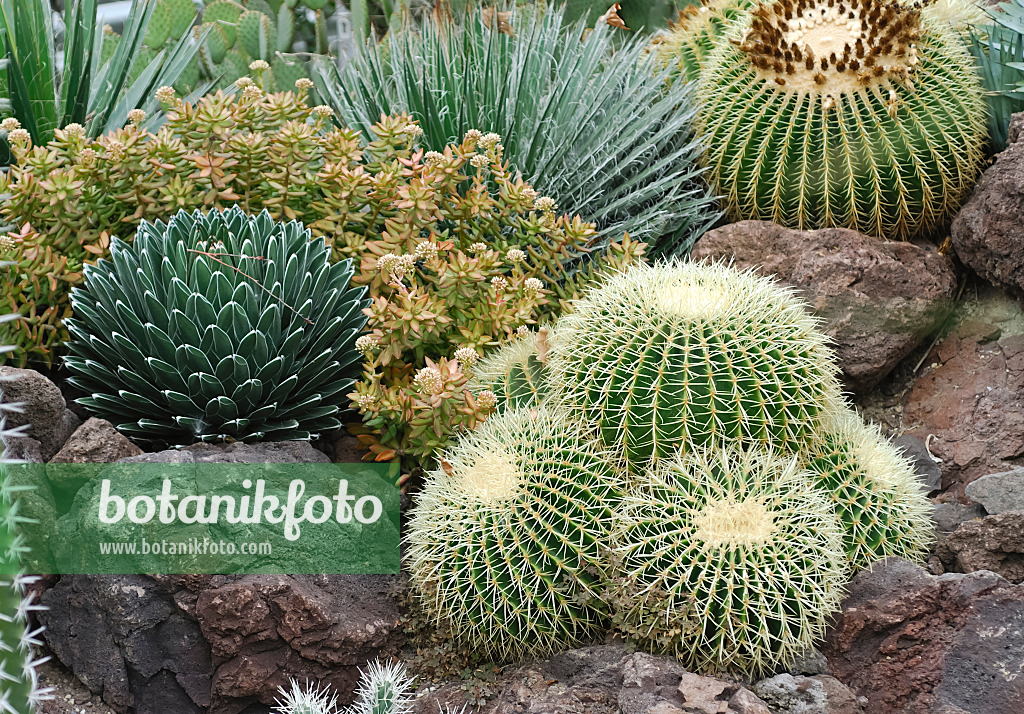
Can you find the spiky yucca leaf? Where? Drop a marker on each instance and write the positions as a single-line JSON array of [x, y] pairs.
[[506, 544], [874, 490], [729, 560], [515, 373], [683, 354], [20, 692], [875, 122], [217, 326]]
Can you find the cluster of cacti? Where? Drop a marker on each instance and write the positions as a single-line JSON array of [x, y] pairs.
[[168, 23], [866, 114], [217, 327], [507, 542], [728, 559], [679, 355], [20, 692], [749, 489]]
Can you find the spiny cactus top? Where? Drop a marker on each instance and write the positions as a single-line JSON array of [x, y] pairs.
[[728, 559], [515, 374], [214, 327], [855, 113], [874, 490], [681, 354], [507, 541]]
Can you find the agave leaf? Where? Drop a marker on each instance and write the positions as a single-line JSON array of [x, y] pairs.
[[111, 79]]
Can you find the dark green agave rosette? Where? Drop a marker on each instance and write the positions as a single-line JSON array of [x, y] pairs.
[[217, 327]]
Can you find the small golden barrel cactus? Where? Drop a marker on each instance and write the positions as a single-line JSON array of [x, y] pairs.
[[728, 560], [507, 542], [678, 355], [855, 113], [516, 373], [873, 489], [694, 35]]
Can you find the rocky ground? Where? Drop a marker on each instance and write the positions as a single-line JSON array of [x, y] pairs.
[[931, 346]]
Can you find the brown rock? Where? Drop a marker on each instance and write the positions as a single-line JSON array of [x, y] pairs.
[[746, 702], [993, 543], [95, 442], [971, 403], [988, 233], [914, 643], [877, 300], [43, 408]]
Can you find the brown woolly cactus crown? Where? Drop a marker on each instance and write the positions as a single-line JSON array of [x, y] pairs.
[[844, 45]]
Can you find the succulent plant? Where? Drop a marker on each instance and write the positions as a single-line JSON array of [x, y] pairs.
[[383, 689], [217, 327], [506, 543], [20, 691], [515, 373], [695, 33], [310, 698], [857, 113], [727, 559], [678, 355], [873, 489]]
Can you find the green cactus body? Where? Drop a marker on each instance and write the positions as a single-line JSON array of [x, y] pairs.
[[141, 62], [874, 122], [159, 28], [695, 34], [315, 4], [260, 6], [189, 78], [506, 544], [216, 45], [256, 35], [285, 28], [514, 373], [226, 14], [678, 355], [217, 327], [874, 491], [20, 692], [109, 44], [286, 73], [728, 560], [235, 65], [183, 14]]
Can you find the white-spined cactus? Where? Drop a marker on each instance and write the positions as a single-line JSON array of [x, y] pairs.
[[516, 373], [728, 559], [684, 354], [506, 544], [20, 692], [873, 489]]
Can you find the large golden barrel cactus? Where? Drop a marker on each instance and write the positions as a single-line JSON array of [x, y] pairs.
[[857, 113]]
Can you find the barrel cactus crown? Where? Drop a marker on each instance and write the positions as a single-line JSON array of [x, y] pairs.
[[20, 691], [515, 373], [683, 354], [695, 33], [855, 113], [217, 327], [507, 541], [874, 490], [728, 560]]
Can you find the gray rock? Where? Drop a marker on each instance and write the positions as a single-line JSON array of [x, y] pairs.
[[95, 442], [928, 471], [877, 300], [43, 409], [994, 543], [914, 643], [746, 702], [949, 516], [1000, 492], [821, 694], [810, 662], [23, 448], [271, 452]]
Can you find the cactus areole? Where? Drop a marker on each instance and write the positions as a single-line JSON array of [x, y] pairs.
[[855, 113]]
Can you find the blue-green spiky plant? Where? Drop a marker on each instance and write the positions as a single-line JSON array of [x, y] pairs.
[[20, 692], [506, 544], [873, 489], [217, 327], [862, 114], [728, 560], [678, 355]]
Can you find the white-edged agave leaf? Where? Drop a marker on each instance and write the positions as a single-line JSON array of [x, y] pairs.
[[269, 322], [160, 344], [126, 348], [180, 402], [283, 390], [190, 358], [248, 395], [232, 319], [221, 287], [166, 374], [178, 294], [203, 386], [216, 342], [221, 409], [232, 371], [254, 345], [200, 310], [127, 319], [269, 372], [133, 380], [156, 311], [183, 329]]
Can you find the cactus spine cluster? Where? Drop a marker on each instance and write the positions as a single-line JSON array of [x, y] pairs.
[[728, 559], [679, 355], [507, 542], [20, 692], [515, 373], [873, 489], [695, 34], [854, 113]]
